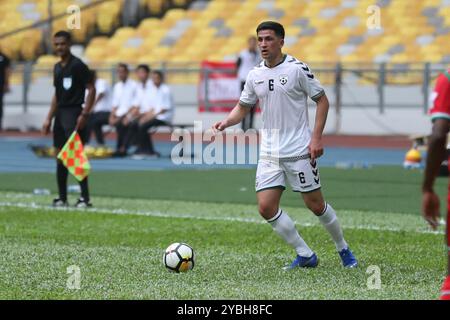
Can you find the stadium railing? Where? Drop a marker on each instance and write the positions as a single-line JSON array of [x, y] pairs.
[[339, 77]]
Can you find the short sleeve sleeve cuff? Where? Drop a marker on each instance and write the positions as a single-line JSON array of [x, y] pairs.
[[246, 104], [318, 95], [440, 115]]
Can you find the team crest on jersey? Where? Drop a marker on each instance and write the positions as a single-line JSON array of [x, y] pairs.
[[67, 83], [283, 79]]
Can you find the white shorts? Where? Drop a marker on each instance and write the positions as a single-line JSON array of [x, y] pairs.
[[302, 175]]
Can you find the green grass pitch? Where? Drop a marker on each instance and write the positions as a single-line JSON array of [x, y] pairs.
[[118, 246]]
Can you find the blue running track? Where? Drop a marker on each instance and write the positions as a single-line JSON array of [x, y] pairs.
[[16, 156]]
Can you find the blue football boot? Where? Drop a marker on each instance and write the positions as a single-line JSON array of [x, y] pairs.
[[303, 262], [348, 259]]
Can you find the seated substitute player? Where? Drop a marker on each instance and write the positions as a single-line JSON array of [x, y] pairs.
[[440, 115], [71, 78], [157, 110], [141, 100], [288, 151], [124, 93], [102, 110]]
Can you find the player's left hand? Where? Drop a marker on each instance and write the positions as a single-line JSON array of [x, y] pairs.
[[315, 148], [81, 121], [430, 208]]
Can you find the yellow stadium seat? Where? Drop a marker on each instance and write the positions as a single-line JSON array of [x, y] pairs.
[[95, 54], [130, 55], [402, 22], [107, 15], [47, 60], [146, 26], [124, 33], [174, 14], [155, 6], [100, 41], [30, 46], [432, 57], [431, 3], [114, 45], [150, 59], [399, 58], [442, 41]]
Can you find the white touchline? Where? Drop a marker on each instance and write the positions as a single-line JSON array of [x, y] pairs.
[[159, 214], [33, 205]]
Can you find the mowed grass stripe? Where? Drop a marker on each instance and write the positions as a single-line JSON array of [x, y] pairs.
[[350, 219], [120, 257], [379, 189]]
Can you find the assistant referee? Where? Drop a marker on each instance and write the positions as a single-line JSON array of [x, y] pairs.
[[71, 78]]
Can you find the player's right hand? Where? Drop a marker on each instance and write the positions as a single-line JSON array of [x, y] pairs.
[[46, 126], [430, 208], [219, 126]]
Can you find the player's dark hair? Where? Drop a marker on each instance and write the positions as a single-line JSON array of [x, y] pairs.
[[123, 65], [159, 73], [271, 25], [144, 67], [63, 34]]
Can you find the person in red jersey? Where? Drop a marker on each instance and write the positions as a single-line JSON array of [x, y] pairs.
[[440, 115]]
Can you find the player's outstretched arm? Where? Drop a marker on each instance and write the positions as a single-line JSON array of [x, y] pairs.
[[316, 145], [234, 117], [435, 155]]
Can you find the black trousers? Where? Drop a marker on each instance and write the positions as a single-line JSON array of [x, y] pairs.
[[95, 123], [64, 125], [140, 132], [1, 109], [122, 135], [247, 122]]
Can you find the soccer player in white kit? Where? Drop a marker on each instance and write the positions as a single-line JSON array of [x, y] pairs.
[[289, 150]]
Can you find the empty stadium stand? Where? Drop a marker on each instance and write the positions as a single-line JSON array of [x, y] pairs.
[[182, 31]]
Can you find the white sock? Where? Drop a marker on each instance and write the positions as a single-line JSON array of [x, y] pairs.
[[285, 227], [331, 223]]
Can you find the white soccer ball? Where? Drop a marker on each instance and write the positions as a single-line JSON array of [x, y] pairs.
[[179, 257]]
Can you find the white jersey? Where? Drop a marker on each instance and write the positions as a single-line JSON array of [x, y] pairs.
[[161, 99], [142, 99], [123, 96], [104, 105], [282, 92]]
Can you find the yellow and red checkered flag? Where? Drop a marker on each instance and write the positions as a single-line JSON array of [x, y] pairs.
[[74, 158]]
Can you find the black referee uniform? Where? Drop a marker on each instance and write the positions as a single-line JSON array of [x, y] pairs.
[[4, 65], [70, 83]]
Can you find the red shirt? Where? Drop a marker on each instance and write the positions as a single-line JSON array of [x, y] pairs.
[[441, 97], [441, 110]]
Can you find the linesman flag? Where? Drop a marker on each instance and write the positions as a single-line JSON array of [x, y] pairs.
[[74, 158]]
